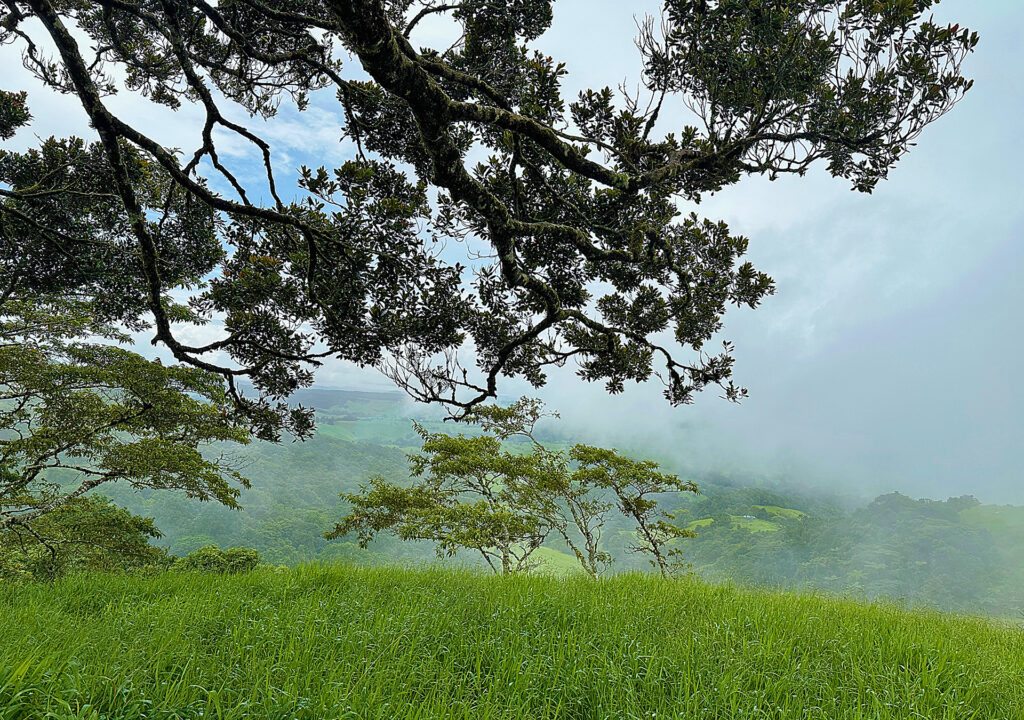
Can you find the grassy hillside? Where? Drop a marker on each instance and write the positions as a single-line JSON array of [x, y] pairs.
[[343, 642]]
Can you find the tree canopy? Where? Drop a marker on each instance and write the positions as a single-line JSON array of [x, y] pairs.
[[77, 414], [576, 249], [86, 533]]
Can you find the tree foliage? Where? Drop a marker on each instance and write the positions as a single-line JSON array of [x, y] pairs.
[[504, 502], [212, 559], [575, 202], [77, 414], [86, 533]]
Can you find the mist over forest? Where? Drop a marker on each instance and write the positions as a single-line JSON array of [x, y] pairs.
[[758, 525]]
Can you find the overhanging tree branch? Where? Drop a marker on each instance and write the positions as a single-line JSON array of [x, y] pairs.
[[588, 258]]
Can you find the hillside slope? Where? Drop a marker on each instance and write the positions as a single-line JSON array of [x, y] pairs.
[[344, 642]]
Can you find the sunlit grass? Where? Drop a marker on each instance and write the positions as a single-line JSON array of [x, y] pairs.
[[782, 511], [342, 642], [754, 524], [747, 523]]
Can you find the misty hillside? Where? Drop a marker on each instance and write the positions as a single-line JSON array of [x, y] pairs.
[[955, 554]]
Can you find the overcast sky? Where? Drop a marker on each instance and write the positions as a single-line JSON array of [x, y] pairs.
[[890, 355]]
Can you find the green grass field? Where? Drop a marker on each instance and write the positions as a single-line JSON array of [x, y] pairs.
[[344, 642], [751, 524], [782, 511]]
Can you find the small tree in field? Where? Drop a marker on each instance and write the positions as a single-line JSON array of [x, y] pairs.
[[474, 493], [632, 484]]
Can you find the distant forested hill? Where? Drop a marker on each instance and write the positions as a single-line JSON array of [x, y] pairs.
[[956, 554], [293, 500]]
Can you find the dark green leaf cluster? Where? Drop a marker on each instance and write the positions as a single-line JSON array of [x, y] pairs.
[[13, 113], [785, 83], [64, 233], [575, 247]]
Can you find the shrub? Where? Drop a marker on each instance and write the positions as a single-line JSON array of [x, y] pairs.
[[212, 559], [86, 534]]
